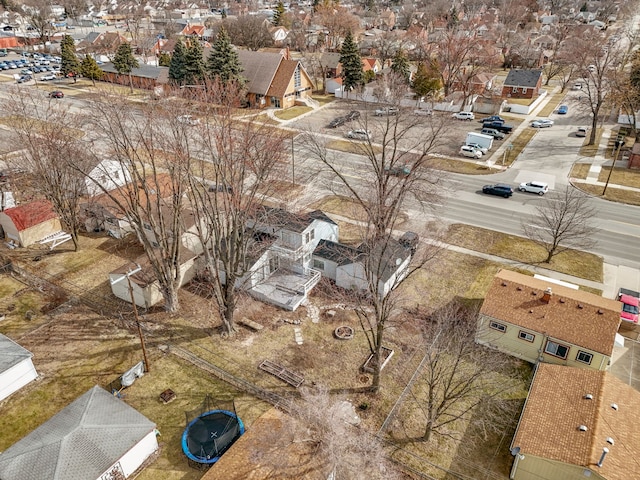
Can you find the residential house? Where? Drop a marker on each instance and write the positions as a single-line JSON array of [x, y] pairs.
[[97, 436], [372, 64], [144, 283], [107, 174], [193, 31], [274, 80], [347, 266], [330, 64], [279, 34], [539, 321], [105, 43], [29, 223], [576, 424], [164, 45], [16, 367], [522, 84], [145, 76]]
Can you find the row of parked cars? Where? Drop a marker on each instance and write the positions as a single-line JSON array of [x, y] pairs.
[[504, 190]]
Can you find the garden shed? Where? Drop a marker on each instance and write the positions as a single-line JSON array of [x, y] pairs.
[[16, 367], [96, 437], [29, 223]]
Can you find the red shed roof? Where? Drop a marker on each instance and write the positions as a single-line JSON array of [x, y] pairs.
[[30, 214]]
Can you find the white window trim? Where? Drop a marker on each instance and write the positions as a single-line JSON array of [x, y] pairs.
[[526, 336], [546, 349], [584, 353]]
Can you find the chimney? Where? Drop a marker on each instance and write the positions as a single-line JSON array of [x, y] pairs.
[[605, 450], [546, 297]]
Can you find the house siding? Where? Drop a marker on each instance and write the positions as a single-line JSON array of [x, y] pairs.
[[532, 352], [17, 377], [135, 457], [351, 276], [536, 468]]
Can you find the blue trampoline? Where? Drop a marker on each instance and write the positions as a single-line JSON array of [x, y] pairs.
[[208, 436]]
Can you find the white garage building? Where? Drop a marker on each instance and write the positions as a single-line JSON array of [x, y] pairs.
[[16, 367]]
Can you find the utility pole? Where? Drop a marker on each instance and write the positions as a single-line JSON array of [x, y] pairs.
[[135, 312], [619, 144]]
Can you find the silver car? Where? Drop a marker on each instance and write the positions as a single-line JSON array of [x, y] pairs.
[[359, 134], [534, 187]]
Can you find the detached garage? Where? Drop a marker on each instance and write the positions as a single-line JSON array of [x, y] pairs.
[[16, 367], [29, 223], [97, 437]]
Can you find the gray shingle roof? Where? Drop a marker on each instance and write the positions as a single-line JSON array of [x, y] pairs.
[[259, 68], [144, 71], [522, 78], [79, 443], [11, 354], [337, 252]]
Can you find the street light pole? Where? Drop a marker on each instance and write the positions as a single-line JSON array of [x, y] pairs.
[[135, 313], [613, 164], [293, 162]]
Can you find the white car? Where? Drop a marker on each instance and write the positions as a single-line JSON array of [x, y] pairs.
[[582, 131], [464, 116], [48, 76], [542, 123], [534, 187], [479, 147], [423, 111], [467, 151], [359, 134], [386, 111], [188, 119]]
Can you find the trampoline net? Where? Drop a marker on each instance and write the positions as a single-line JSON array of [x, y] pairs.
[[211, 435]]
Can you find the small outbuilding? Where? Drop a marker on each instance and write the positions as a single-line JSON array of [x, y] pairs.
[[96, 437], [16, 367], [29, 223]]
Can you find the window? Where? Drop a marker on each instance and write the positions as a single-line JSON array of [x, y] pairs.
[[297, 82], [498, 326], [313, 234], [275, 102], [307, 237], [526, 336], [319, 264], [556, 349], [584, 357]]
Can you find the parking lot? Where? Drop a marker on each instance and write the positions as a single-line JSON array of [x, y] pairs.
[[30, 66]]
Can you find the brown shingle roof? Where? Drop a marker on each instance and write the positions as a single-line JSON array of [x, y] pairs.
[[556, 407], [259, 68], [578, 317], [282, 78]]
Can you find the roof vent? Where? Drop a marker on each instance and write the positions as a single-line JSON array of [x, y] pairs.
[[546, 296], [614, 406], [504, 284], [610, 440], [605, 450], [519, 289], [600, 312], [530, 311], [562, 300], [534, 293], [580, 306], [588, 396], [582, 428]]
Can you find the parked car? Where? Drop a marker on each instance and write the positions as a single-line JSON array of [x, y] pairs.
[[464, 116], [47, 77], [493, 118], [188, 120], [630, 305], [499, 189], [423, 111], [467, 151], [25, 78], [386, 111], [542, 123], [577, 86], [563, 110], [582, 131], [337, 122], [501, 127], [26, 71], [398, 171], [534, 187], [359, 134], [493, 132], [480, 148], [352, 115], [56, 94]]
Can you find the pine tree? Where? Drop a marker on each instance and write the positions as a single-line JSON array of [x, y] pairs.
[[223, 61], [426, 81], [400, 65], [177, 69], [194, 63], [164, 60], [69, 64], [352, 74], [278, 14], [124, 61], [89, 69]]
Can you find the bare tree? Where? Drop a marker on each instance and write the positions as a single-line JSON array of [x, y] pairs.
[[562, 222], [38, 14], [153, 148], [338, 21], [249, 31], [240, 164], [458, 378], [49, 140], [393, 170]]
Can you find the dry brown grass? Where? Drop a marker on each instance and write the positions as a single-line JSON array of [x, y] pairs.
[[591, 150], [351, 146], [459, 166], [620, 176], [580, 170], [613, 194], [553, 103], [291, 113], [519, 143], [37, 124]]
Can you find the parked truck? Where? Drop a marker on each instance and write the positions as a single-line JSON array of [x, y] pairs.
[[481, 139]]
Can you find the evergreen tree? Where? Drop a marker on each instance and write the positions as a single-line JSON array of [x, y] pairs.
[[223, 61], [69, 64], [124, 61], [400, 65], [89, 69], [164, 60], [177, 70], [278, 14], [352, 74], [194, 63], [426, 81]]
